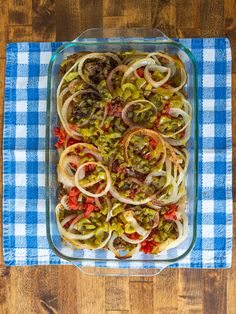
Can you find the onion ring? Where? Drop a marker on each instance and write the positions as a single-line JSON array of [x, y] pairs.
[[108, 177]]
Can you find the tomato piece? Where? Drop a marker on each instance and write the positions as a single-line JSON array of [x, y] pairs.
[[67, 225], [115, 109], [61, 134], [57, 132], [173, 207], [147, 156], [134, 236], [157, 121], [73, 205], [73, 198], [90, 167], [73, 127], [153, 143], [71, 141], [140, 72], [89, 208], [171, 213], [74, 192], [182, 134], [89, 200], [88, 155], [147, 246], [133, 193], [74, 166], [167, 109]]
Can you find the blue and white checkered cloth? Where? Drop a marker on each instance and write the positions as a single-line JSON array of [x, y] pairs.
[[24, 226]]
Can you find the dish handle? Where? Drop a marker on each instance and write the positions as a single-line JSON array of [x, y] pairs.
[[132, 33], [102, 271]]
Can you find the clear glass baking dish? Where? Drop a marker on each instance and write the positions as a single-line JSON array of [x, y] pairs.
[[105, 263]]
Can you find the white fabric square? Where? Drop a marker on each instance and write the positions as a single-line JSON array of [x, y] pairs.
[[208, 156], [20, 230], [42, 82], [209, 54], [208, 180], [20, 179], [41, 230], [22, 57], [45, 57], [21, 106], [20, 205], [209, 104], [228, 54], [208, 206], [42, 105], [208, 256], [21, 82], [208, 130], [21, 131], [228, 79], [20, 155], [41, 131], [228, 130], [41, 205], [207, 231], [43, 255], [20, 254], [228, 180], [41, 156], [208, 80], [41, 179], [229, 230]]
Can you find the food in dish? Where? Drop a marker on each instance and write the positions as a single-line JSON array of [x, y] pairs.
[[124, 126]]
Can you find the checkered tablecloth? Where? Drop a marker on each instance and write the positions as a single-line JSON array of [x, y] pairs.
[[24, 229]]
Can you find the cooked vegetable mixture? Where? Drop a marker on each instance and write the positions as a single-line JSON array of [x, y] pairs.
[[124, 125]]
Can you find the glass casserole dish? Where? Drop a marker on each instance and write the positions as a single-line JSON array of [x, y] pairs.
[[98, 40]]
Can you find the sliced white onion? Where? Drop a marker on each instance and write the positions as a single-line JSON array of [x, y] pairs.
[[67, 219], [135, 66], [70, 235], [86, 149], [165, 199], [133, 103], [116, 252], [149, 177], [93, 55], [119, 68], [113, 56], [65, 110], [126, 200], [64, 202], [64, 178], [175, 112], [183, 233], [161, 69], [171, 60], [133, 222], [182, 141], [182, 83], [150, 133], [66, 164], [63, 78], [108, 177], [94, 152], [127, 239]]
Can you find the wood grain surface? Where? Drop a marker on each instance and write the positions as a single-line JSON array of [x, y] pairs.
[[64, 289]]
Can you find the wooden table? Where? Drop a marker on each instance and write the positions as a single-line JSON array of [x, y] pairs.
[[63, 289]]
